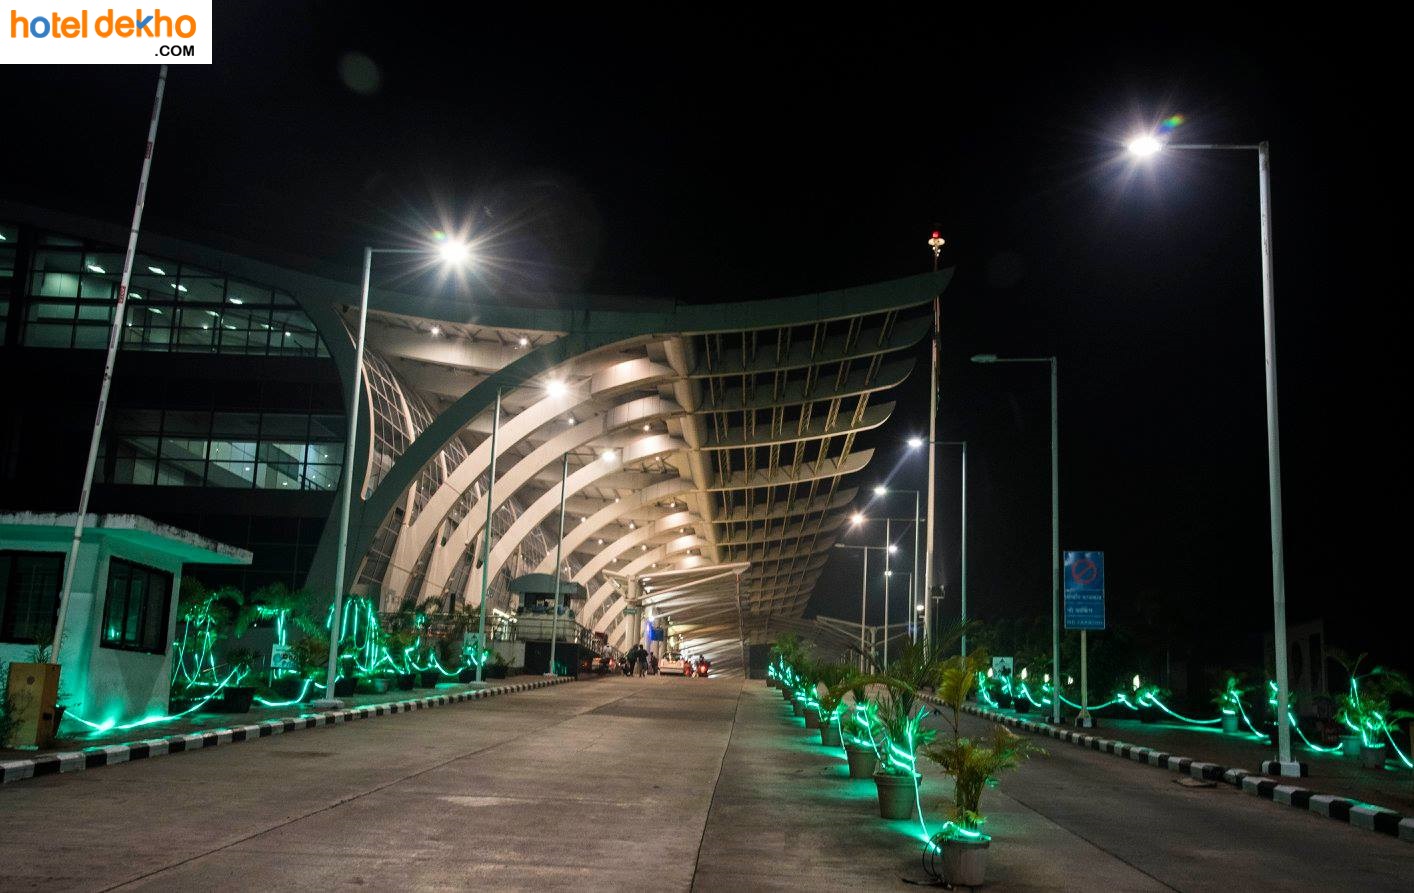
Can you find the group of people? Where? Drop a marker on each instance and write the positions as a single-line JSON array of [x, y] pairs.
[[640, 662]]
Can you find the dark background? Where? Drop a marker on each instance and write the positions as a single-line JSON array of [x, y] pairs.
[[669, 155]]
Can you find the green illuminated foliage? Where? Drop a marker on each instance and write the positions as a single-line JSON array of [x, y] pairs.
[[973, 766], [1366, 708]]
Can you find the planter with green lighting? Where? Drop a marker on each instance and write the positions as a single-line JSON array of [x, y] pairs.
[[1365, 710], [898, 733], [835, 681], [1229, 703], [974, 766]]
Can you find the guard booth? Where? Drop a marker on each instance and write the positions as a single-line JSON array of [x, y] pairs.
[[536, 622], [115, 652]]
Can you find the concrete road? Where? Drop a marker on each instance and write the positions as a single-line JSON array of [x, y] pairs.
[[662, 784]]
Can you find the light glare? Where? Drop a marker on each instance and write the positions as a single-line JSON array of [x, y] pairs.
[[1146, 145]]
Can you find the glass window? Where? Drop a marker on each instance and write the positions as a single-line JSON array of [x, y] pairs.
[[135, 460], [278, 475], [136, 608], [29, 595], [49, 335], [204, 290], [321, 477], [180, 473], [232, 473]]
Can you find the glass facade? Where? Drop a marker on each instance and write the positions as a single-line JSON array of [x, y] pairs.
[[196, 448], [172, 306]]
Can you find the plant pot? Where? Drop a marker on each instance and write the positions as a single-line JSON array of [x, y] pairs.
[[830, 734], [785, 693], [862, 761], [345, 687], [896, 795], [1150, 714], [797, 708], [379, 684], [287, 688], [1372, 756], [1350, 745], [406, 681], [1230, 723], [466, 674], [1021, 707], [812, 718], [964, 861], [430, 678], [491, 671], [234, 699]]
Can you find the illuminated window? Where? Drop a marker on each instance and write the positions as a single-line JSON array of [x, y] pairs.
[[171, 306], [29, 595], [135, 611]]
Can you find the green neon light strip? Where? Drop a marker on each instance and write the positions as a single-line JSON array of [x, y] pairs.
[[302, 692], [109, 725]]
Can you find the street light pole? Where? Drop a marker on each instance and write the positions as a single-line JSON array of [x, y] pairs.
[[559, 555], [888, 538], [1150, 145], [935, 244], [486, 547], [451, 251], [1055, 514], [110, 361]]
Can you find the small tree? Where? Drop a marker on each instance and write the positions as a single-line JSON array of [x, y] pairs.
[[973, 766]]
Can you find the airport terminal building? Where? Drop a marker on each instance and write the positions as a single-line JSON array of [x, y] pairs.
[[707, 450]]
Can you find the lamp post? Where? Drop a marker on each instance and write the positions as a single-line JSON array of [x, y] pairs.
[[451, 251], [559, 554], [1055, 514], [935, 244], [1149, 145], [882, 490], [110, 360], [863, 589]]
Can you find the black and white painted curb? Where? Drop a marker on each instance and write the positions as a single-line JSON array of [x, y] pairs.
[[112, 754], [1344, 809]]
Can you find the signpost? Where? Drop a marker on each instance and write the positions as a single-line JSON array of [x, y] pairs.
[[1084, 610]]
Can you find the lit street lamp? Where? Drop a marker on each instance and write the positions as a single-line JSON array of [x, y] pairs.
[[451, 251], [1055, 515], [1148, 145], [882, 490]]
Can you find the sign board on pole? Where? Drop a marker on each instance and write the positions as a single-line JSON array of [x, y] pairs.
[[1084, 575], [282, 659], [1002, 667]]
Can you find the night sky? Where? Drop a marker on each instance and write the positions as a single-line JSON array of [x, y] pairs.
[[704, 160]]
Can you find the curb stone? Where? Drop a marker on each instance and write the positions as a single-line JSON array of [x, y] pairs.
[[1342, 809], [112, 754]]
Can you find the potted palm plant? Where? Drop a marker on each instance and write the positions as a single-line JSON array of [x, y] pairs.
[[834, 682], [857, 730], [237, 698], [1365, 709], [1229, 702], [900, 715], [974, 766]]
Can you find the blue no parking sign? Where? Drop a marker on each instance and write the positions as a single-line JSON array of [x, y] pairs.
[[1084, 575]]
